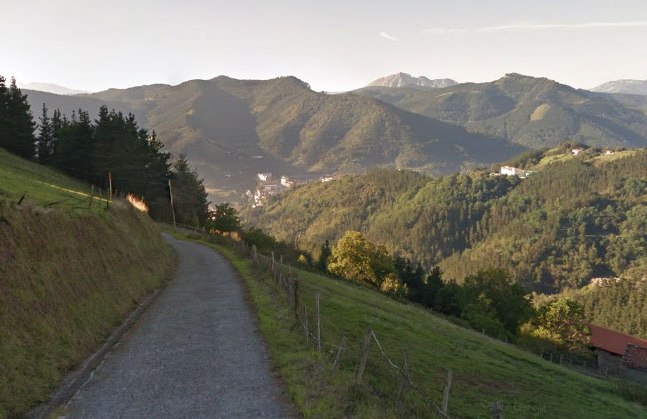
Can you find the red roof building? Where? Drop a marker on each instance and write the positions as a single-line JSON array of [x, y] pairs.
[[619, 353], [611, 341]]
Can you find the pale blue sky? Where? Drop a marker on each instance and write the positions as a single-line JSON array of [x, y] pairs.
[[334, 45]]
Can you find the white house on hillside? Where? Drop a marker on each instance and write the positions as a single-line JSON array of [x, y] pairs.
[[512, 171]]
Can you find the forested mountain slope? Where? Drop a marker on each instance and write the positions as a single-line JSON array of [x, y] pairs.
[[232, 129], [535, 112], [573, 219]]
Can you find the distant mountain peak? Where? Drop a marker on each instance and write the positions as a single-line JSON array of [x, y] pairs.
[[51, 88], [407, 80], [628, 86], [525, 77]]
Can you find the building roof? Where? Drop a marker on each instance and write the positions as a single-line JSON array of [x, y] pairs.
[[612, 341]]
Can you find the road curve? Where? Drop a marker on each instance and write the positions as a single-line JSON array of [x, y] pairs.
[[194, 354]]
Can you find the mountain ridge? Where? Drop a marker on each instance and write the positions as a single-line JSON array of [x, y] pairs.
[[51, 88], [534, 112], [232, 129], [626, 86], [407, 80]]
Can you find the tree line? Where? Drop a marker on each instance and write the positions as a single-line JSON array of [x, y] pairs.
[[488, 301], [113, 148]]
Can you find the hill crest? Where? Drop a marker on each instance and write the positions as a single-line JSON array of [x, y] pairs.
[[407, 80]]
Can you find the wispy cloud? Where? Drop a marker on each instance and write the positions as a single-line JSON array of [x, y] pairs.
[[547, 26], [389, 37], [530, 27]]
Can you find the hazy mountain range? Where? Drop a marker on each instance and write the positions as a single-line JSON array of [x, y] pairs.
[[232, 129], [535, 112], [407, 80], [51, 88], [632, 87]]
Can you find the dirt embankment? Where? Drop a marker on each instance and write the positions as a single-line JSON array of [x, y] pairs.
[[66, 280]]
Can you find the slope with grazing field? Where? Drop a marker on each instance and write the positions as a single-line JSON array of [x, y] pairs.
[[69, 273], [484, 370]]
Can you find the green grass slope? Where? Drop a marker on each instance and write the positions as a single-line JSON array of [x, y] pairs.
[[45, 187], [484, 370], [68, 275]]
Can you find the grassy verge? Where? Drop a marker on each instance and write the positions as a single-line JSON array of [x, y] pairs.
[[68, 275], [484, 370]]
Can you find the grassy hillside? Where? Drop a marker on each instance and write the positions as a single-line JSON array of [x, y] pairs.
[[232, 129], [68, 275], [573, 219], [535, 112], [484, 370], [44, 187]]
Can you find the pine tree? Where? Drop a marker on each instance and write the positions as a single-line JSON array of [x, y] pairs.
[[45, 141], [326, 251], [20, 123], [73, 152], [189, 194], [4, 109]]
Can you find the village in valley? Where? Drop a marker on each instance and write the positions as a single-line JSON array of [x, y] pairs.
[[269, 186]]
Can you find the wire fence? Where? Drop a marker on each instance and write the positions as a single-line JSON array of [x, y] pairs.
[[286, 280]]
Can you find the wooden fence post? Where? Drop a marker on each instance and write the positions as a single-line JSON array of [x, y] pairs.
[[362, 361], [342, 346], [305, 315], [22, 198], [497, 410], [317, 296], [405, 377], [295, 295], [448, 386], [109, 189]]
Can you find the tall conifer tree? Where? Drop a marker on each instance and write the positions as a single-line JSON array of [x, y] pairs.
[[45, 141], [20, 123], [4, 110]]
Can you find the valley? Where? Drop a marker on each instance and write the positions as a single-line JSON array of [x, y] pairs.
[[571, 219], [231, 129], [323, 210], [442, 212]]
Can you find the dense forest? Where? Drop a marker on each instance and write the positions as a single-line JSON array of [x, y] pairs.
[[571, 220], [112, 149]]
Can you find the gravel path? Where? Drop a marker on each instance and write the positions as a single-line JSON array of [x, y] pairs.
[[194, 354]]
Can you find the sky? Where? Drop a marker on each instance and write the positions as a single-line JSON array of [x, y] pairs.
[[334, 45]]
